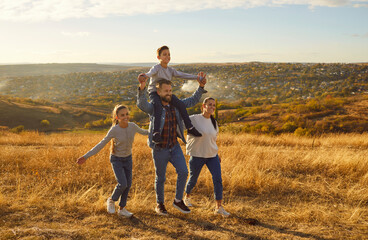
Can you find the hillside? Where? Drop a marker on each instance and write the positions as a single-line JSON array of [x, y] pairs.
[[30, 114], [255, 83], [349, 114], [55, 68], [263, 97]]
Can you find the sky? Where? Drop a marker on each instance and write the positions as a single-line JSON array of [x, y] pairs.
[[126, 31]]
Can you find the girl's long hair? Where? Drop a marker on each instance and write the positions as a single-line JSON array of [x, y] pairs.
[[213, 120], [116, 122]]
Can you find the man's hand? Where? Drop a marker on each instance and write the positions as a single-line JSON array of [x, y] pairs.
[[201, 79], [142, 81]]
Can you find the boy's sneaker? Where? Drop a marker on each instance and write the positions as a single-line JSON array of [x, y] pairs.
[[125, 213], [160, 209], [156, 138], [110, 205], [193, 131], [188, 202], [221, 211], [181, 206]]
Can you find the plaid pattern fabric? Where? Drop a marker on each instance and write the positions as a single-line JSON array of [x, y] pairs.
[[168, 134]]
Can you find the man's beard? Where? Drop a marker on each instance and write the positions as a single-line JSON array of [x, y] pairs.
[[166, 98]]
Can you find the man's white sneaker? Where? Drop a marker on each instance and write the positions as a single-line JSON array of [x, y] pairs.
[[110, 205], [188, 202], [221, 211], [125, 213]]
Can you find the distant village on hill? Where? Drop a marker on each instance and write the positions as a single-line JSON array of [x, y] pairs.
[[262, 82], [306, 98]]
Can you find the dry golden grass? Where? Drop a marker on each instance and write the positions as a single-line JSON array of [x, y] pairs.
[[296, 188]]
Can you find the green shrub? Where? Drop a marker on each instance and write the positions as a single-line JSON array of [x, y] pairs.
[[107, 121], [255, 110], [263, 127], [289, 127], [45, 123], [235, 128], [138, 115], [18, 129], [301, 132], [98, 123]]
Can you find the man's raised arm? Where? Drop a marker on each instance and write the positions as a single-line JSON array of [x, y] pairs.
[[142, 102]]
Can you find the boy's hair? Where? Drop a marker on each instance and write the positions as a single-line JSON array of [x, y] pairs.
[[162, 81], [160, 49]]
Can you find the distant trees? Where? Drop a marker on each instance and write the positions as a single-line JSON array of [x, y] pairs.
[[45, 123], [17, 129]]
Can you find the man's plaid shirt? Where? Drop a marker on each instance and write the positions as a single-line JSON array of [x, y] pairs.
[[169, 134]]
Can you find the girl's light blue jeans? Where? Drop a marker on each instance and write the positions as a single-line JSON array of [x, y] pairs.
[[213, 165], [122, 167]]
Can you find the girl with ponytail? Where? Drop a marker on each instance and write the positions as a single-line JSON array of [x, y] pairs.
[[121, 134]]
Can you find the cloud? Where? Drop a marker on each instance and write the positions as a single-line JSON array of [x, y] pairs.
[[77, 34], [42, 10], [359, 5], [360, 35]]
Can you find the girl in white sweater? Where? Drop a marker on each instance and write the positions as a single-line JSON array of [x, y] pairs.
[[203, 151], [122, 134]]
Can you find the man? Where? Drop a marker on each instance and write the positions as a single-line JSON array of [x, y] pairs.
[[168, 150]]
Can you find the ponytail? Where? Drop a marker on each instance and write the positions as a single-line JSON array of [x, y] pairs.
[[214, 122]]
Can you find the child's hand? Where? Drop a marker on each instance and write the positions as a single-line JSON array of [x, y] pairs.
[[201, 78], [81, 160], [142, 80]]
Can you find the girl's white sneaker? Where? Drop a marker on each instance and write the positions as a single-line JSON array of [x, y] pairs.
[[110, 205], [221, 211], [188, 202], [125, 213]]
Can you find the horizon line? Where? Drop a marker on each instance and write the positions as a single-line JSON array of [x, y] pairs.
[[175, 63]]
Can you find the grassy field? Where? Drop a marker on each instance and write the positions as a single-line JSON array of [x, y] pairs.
[[280, 187]]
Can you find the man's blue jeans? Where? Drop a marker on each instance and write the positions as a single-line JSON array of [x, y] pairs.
[[161, 157], [213, 165], [122, 167]]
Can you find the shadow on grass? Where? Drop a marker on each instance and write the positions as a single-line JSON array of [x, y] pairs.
[[155, 229], [206, 225], [255, 222], [160, 222]]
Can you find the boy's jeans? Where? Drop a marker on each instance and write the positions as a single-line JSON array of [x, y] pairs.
[[122, 167], [213, 165], [174, 155]]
